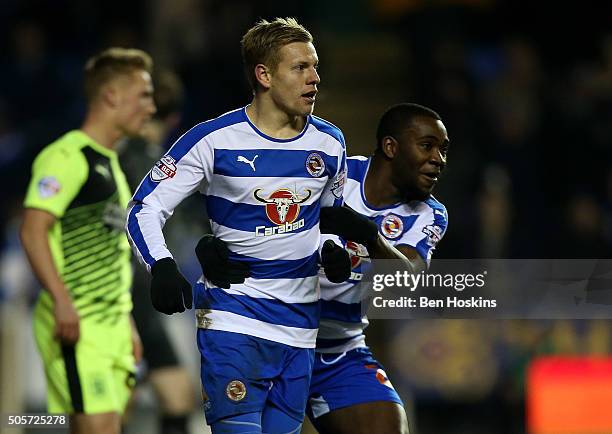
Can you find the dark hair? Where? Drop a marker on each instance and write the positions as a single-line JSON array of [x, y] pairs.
[[399, 117], [263, 41]]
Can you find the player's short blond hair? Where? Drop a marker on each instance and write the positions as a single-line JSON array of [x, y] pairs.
[[263, 41], [108, 64]]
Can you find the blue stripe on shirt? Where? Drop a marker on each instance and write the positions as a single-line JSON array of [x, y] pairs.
[[336, 310], [357, 168], [280, 269], [439, 212], [302, 315], [266, 163], [136, 234]]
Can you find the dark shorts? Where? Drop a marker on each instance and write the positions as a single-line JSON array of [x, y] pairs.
[[245, 374], [346, 379]]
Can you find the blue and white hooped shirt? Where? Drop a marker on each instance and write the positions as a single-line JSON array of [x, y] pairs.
[[418, 224], [263, 197]]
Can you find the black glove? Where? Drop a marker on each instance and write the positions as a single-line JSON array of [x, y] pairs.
[[348, 224], [213, 255], [336, 262], [170, 291]]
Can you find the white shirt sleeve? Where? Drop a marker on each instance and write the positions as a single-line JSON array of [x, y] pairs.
[[334, 189], [426, 232], [186, 167]]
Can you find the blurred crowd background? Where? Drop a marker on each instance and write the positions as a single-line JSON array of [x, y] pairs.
[[524, 89]]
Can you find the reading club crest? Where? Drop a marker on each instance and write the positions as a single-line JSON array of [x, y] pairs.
[[315, 165], [236, 390], [392, 226]]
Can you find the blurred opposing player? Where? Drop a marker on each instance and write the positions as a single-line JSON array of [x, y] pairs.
[[170, 380], [73, 236], [264, 171], [350, 391]]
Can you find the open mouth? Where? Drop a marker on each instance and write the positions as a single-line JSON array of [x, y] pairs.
[[432, 176], [310, 95]]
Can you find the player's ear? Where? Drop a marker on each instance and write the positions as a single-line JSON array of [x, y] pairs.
[[262, 75], [109, 94], [389, 146]]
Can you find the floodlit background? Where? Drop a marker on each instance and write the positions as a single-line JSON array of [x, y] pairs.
[[525, 91]]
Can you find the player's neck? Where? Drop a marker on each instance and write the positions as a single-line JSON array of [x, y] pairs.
[[378, 188], [272, 121], [100, 130]]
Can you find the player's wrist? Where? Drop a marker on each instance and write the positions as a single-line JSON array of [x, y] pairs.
[[371, 235], [164, 266], [366, 232], [170, 291], [60, 294]]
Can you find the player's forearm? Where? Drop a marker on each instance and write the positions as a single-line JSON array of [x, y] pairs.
[[381, 249], [35, 242], [144, 229]]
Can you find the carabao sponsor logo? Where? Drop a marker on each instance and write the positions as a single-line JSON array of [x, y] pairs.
[[282, 209]]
